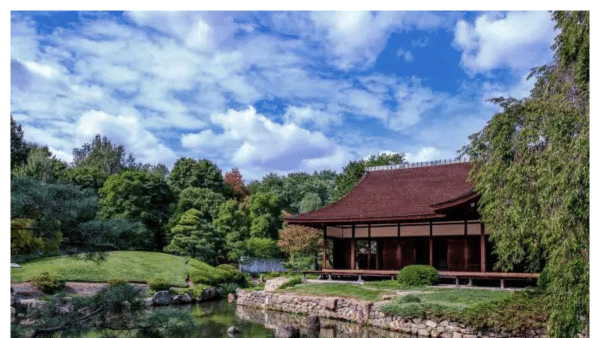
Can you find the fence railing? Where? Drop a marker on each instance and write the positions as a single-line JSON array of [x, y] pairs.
[[261, 265], [416, 164]]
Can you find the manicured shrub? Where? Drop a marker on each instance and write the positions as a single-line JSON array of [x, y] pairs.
[[290, 283], [201, 272], [114, 281], [229, 267], [158, 284], [417, 275], [47, 282], [227, 288], [410, 298]]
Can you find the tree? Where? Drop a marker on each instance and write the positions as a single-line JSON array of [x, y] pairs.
[[300, 240], [310, 202], [235, 182], [260, 247], [41, 165], [138, 196], [233, 225], [354, 170], [103, 154], [53, 206], [265, 213], [195, 237], [189, 173], [18, 147], [204, 200], [85, 177], [530, 164]]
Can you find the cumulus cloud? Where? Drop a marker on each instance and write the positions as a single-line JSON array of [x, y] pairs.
[[413, 101], [250, 139], [424, 154], [406, 55], [518, 41], [128, 131], [310, 116]]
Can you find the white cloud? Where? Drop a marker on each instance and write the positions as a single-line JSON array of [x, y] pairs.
[[250, 139], [310, 116], [406, 55], [413, 101], [128, 131], [424, 154], [519, 41]]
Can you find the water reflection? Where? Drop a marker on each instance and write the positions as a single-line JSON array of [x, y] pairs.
[[329, 328]]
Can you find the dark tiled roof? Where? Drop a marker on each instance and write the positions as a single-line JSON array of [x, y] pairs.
[[409, 194]]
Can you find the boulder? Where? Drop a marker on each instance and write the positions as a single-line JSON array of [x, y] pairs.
[[233, 331], [287, 332], [182, 299], [209, 294], [231, 298], [162, 298]]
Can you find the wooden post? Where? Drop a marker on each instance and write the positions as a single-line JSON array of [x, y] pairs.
[[466, 249], [353, 250], [482, 247], [430, 243], [324, 246], [369, 247]]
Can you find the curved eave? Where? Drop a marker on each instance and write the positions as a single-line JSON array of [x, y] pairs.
[[316, 222], [465, 198]]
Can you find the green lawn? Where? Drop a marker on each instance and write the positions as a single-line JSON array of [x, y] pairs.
[[131, 265], [337, 289]]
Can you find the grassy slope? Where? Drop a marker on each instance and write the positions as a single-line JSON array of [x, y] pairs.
[[337, 289], [131, 265]]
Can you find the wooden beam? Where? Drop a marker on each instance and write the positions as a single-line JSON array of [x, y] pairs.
[[324, 247], [466, 248], [368, 246], [482, 244], [353, 250], [430, 243]]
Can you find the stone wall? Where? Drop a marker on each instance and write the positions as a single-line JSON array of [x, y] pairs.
[[368, 312]]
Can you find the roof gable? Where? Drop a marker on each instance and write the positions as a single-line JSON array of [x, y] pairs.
[[409, 193]]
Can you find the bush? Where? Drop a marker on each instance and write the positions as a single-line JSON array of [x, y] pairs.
[[227, 288], [410, 298], [194, 291], [114, 281], [417, 275], [158, 284], [229, 267], [47, 282], [203, 273], [543, 280], [290, 283]]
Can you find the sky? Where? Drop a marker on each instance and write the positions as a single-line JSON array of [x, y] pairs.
[[287, 91]]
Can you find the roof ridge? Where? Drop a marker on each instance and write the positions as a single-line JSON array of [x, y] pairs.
[[416, 164]]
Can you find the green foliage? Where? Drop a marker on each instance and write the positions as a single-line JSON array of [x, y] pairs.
[[41, 165], [189, 173], [339, 290], [53, 206], [18, 147], [530, 164], [114, 281], [201, 272], [24, 240], [85, 177], [195, 237], [104, 155], [227, 288], [47, 282], [410, 298], [138, 196], [417, 275], [310, 202], [265, 213], [204, 200], [233, 225], [195, 291], [259, 247], [114, 234], [292, 282], [354, 170], [158, 284]]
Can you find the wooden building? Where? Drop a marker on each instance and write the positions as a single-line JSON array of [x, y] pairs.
[[401, 215]]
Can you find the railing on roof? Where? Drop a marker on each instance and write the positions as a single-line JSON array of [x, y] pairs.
[[416, 164]]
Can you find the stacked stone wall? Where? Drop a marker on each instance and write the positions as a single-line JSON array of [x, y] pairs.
[[365, 312]]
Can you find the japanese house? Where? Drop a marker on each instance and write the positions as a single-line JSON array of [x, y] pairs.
[[400, 215]]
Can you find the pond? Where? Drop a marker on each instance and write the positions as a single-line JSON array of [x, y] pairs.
[[257, 323]]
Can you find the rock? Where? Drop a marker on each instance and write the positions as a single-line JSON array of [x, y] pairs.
[[314, 323], [231, 298], [182, 299], [273, 284], [162, 298], [329, 303], [233, 331], [435, 333], [287, 332], [423, 333], [210, 294], [430, 323], [457, 334]]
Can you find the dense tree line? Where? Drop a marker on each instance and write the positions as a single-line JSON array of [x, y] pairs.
[[104, 200]]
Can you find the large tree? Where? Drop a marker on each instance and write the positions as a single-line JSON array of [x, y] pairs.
[[531, 167], [18, 146], [193, 236], [138, 196], [188, 173], [233, 224], [109, 157]]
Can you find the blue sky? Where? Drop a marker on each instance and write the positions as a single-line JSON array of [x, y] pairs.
[[269, 91]]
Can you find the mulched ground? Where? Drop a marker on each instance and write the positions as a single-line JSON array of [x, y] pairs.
[[28, 291]]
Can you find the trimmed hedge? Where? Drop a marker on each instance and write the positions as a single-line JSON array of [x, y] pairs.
[[158, 284], [417, 275], [290, 283], [202, 273]]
